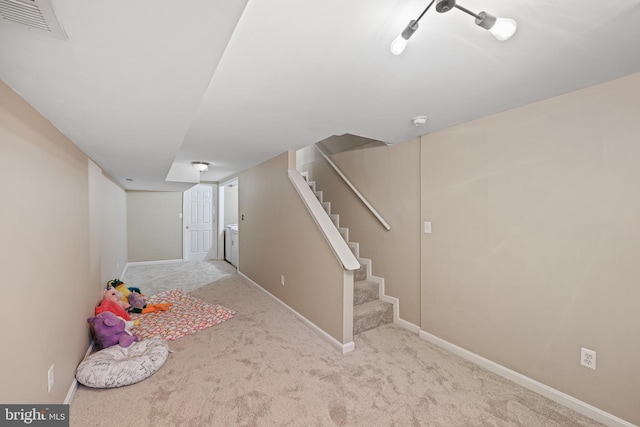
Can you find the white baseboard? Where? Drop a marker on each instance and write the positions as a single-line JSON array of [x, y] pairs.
[[345, 348], [74, 383], [531, 384], [401, 322]]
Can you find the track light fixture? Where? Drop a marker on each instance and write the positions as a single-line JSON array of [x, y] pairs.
[[501, 28]]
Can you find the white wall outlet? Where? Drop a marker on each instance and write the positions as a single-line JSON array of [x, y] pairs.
[[427, 227], [588, 358], [50, 379], [282, 280]]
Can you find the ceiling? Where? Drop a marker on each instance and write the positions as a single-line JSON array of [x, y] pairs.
[[146, 87]]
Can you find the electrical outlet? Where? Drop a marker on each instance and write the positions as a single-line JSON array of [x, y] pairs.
[[427, 227], [282, 280], [50, 379], [588, 358]]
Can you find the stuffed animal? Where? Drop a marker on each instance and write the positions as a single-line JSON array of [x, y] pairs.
[[120, 286], [152, 308], [113, 303], [110, 330], [116, 296], [136, 300], [139, 304], [114, 282]]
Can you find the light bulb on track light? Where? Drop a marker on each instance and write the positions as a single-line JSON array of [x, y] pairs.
[[399, 43], [504, 28], [501, 28]]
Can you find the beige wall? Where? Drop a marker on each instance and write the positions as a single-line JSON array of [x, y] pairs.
[[52, 252], [108, 217], [536, 238], [279, 237], [154, 225], [389, 177]]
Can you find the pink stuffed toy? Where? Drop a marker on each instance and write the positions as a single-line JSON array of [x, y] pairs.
[[110, 330], [113, 303], [116, 296]]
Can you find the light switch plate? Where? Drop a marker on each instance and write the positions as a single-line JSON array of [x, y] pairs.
[[427, 227]]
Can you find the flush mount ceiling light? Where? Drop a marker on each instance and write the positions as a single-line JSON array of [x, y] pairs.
[[501, 28], [200, 166]]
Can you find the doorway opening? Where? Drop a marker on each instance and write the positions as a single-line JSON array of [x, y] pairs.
[[228, 217]]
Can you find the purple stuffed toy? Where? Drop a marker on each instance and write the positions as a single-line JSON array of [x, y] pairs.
[[109, 330], [137, 302]]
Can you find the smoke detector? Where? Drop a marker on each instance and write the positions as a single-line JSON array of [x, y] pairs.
[[32, 15], [419, 121]]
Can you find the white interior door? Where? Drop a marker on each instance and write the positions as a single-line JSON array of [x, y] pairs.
[[199, 217]]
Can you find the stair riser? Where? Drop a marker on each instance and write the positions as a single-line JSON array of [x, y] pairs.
[[360, 274], [372, 320], [364, 292]]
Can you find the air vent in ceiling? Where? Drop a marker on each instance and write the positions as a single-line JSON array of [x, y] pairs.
[[34, 15]]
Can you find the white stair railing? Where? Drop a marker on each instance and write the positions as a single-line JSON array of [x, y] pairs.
[[321, 217], [354, 189]]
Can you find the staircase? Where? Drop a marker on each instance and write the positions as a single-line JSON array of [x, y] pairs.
[[369, 311]]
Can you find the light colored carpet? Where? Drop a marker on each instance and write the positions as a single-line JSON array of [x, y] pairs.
[[155, 278], [266, 368]]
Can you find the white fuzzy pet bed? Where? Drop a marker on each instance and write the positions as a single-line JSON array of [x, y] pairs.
[[116, 366]]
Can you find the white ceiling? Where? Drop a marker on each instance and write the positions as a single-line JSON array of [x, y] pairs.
[[145, 87]]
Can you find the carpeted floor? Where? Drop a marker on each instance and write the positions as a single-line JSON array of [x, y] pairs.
[[265, 368], [155, 278]]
